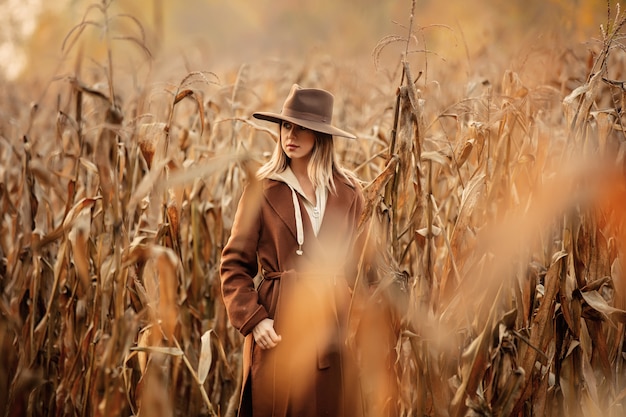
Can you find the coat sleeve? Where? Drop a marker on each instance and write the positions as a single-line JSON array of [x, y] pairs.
[[239, 264]]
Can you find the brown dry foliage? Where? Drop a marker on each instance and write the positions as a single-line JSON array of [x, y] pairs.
[[497, 217]]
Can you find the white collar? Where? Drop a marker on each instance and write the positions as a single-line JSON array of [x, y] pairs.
[[315, 211]]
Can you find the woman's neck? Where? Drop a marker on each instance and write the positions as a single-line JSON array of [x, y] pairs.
[[299, 169]]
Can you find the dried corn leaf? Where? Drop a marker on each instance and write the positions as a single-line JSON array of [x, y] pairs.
[[206, 356], [436, 157], [80, 250], [599, 304], [76, 210], [475, 361], [469, 201], [172, 351], [544, 316], [142, 342], [464, 152], [167, 269]]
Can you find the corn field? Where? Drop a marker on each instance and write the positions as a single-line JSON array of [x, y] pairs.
[[496, 210]]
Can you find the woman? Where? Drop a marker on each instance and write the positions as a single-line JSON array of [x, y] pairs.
[[296, 230]]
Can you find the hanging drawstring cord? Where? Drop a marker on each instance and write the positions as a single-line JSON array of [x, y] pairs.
[[299, 224]]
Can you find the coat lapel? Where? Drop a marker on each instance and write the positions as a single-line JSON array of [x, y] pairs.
[[278, 196], [337, 207]]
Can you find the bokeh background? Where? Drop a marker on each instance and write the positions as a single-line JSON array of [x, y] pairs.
[[215, 34], [496, 197]]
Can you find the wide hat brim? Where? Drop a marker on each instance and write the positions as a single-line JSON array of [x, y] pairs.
[[307, 107], [309, 124]]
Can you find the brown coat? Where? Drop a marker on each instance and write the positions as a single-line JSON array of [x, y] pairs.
[[310, 372]]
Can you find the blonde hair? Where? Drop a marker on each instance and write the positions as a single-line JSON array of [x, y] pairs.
[[321, 166]]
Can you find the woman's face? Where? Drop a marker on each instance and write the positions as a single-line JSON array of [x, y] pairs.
[[297, 141]]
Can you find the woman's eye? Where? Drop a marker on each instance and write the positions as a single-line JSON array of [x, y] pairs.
[[286, 125]]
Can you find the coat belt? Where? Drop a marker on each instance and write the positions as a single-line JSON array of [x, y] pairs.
[[301, 275], [272, 275], [323, 348]]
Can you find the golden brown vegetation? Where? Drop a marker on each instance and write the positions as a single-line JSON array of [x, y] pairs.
[[497, 212]]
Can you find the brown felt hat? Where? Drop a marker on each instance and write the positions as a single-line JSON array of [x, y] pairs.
[[307, 107]]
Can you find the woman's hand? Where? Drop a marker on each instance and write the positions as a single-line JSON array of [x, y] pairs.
[[265, 335]]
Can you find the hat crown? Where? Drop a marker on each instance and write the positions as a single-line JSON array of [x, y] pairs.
[[309, 104], [311, 108]]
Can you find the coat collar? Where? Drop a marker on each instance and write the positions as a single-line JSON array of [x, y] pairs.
[[278, 196]]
